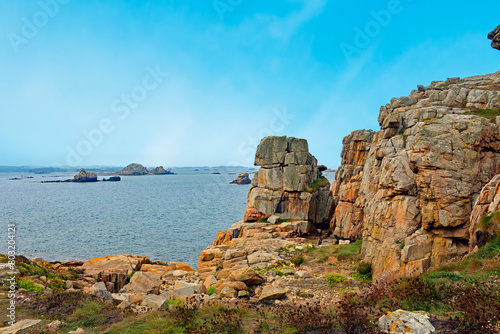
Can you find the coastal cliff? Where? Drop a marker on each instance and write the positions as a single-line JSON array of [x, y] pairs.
[[412, 199]]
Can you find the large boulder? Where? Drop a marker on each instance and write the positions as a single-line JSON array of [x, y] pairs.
[[289, 183], [425, 168], [405, 322], [155, 302], [134, 169], [495, 38], [246, 275], [117, 263], [84, 176], [144, 282], [485, 216]]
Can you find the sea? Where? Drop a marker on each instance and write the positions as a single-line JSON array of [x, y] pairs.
[[163, 217]]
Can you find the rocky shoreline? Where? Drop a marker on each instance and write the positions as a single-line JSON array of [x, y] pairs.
[[420, 199]]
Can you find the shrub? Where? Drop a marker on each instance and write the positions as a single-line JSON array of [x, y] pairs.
[[364, 268], [262, 220], [332, 279], [29, 285], [56, 285], [211, 290], [298, 260]]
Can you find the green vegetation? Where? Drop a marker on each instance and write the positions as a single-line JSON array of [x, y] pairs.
[[298, 260], [89, 314], [333, 279], [490, 114], [363, 272], [349, 252], [177, 302], [322, 181], [262, 220], [277, 270], [487, 221], [29, 285], [211, 290]]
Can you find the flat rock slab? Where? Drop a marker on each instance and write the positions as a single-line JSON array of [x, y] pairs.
[[27, 326], [120, 263]]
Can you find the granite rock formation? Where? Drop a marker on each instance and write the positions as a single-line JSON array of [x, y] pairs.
[[84, 176], [425, 168], [495, 38], [134, 169], [160, 171], [347, 220], [242, 179], [485, 216], [289, 183]]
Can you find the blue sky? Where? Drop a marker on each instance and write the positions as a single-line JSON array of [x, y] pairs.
[[190, 83]]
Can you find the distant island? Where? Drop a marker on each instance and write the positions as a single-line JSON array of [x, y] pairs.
[[138, 169], [84, 176]]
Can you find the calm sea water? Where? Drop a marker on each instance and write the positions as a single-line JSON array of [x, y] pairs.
[[164, 217]]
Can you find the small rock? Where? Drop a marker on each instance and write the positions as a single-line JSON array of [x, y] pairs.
[[78, 331], [273, 219], [99, 289], [229, 292], [303, 274], [243, 293], [272, 292], [209, 281], [54, 326], [179, 273], [124, 305], [188, 289], [155, 302], [288, 271], [246, 275]]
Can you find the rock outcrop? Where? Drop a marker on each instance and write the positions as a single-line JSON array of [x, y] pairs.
[[495, 38], [425, 168], [134, 169], [347, 220], [485, 216], [112, 179], [83, 176], [289, 183], [160, 171], [242, 179]]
